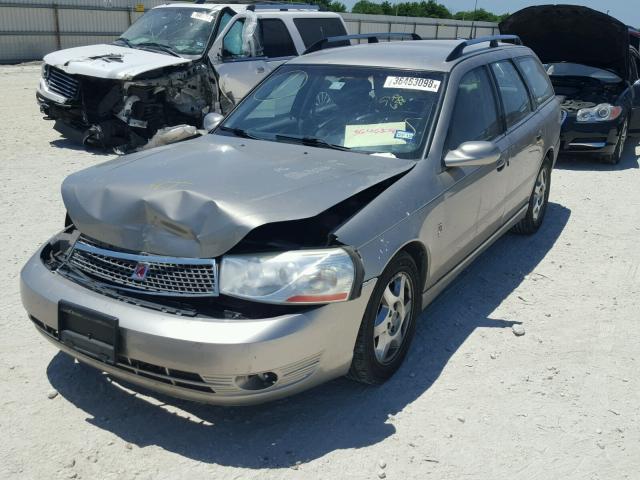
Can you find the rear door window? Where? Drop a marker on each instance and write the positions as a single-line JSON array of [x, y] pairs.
[[514, 94], [475, 114], [537, 79], [276, 41], [313, 30]]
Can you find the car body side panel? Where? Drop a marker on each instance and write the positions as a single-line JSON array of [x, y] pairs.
[[526, 141]]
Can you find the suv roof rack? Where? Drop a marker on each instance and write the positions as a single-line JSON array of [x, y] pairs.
[[370, 37], [492, 39], [265, 5], [283, 7]]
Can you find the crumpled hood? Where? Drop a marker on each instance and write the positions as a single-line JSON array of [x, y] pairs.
[[201, 197], [571, 33], [110, 61]]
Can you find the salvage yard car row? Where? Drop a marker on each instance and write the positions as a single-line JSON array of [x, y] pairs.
[[300, 238], [177, 63]]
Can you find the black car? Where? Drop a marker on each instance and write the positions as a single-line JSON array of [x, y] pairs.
[[593, 66]]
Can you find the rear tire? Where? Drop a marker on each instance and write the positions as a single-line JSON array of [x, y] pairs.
[[616, 156], [389, 323], [537, 202]]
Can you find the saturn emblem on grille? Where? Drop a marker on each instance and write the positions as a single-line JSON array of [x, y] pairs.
[[140, 272]]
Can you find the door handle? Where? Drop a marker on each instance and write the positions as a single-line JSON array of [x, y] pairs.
[[260, 69]]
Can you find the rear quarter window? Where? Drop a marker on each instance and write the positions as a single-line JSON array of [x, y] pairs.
[[313, 30], [276, 40], [537, 79]]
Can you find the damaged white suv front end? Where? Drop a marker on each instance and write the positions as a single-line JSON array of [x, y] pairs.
[[155, 75]]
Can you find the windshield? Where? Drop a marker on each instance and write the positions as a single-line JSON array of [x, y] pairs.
[[567, 69], [367, 110], [185, 31]]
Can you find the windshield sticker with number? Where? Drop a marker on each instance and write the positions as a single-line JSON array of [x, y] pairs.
[[412, 83], [373, 135], [202, 16], [404, 135]]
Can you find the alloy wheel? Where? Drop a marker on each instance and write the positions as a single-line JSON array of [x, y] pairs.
[[539, 194], [393, 318]]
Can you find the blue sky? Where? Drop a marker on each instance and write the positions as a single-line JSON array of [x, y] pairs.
[[627, 11]]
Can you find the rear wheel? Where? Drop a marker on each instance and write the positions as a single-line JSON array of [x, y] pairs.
[[616, 156], [388, 324], [537, 202]]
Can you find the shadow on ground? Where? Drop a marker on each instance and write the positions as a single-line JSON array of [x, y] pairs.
[[337, 415], [629, 160], [68, 144]]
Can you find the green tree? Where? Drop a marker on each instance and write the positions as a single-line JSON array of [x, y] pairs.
[[366, 6], [480, 15], [424, 8], [331, 5]]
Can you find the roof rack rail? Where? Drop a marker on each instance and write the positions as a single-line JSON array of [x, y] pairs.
[[265, 4], [370, 37], [492, 39], [283, 7]]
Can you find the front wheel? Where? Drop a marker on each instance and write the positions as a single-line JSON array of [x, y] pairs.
[[537, 202], [616, 156], [388, 324]]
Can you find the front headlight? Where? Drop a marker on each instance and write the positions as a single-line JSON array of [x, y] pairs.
[[45, 70], [299, 276], [600, 113]]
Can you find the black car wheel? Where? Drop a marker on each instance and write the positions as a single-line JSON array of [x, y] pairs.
[[615, 157], [388, 324]]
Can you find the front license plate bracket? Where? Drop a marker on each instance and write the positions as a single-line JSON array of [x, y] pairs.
[[88, 331]]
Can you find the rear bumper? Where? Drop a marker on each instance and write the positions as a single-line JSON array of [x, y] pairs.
[[203, 358]]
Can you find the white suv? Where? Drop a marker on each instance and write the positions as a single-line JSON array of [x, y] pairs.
[[177, 63]]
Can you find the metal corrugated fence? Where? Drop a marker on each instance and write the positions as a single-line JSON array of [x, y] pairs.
[[31, 29]]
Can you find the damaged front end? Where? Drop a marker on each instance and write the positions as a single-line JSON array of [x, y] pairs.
[[125, 115]]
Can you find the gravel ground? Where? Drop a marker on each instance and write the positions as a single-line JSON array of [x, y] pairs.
[[473, 400]]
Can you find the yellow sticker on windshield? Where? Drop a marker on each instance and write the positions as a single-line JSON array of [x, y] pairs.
[[373, 135], [413, 83]]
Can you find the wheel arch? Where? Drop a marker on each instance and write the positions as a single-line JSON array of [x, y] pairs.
[[419, 252]]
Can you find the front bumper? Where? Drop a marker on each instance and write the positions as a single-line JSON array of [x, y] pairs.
[[202, 358], [598, 138]]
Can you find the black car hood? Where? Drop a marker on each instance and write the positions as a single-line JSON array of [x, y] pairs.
[[200, 198], [570, 33]]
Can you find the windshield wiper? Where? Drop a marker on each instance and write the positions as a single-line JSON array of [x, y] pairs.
[[125, 41], [159, 46], [239, 132], [312, 142]]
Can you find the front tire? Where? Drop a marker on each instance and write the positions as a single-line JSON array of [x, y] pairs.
[[537, 202], [616, 156], [388, 324]]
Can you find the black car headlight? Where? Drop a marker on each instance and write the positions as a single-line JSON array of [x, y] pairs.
[[603, 112]]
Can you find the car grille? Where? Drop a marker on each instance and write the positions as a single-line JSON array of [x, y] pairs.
[[62, 83], [167, 276]]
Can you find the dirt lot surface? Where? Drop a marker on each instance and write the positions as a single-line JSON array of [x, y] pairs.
[[473, 401]]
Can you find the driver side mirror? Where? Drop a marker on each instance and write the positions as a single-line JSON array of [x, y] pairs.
[[471, 154], [211, 121]]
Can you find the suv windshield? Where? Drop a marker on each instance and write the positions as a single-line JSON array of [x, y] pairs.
[[567, 69], [364, 109], [184, 31]]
